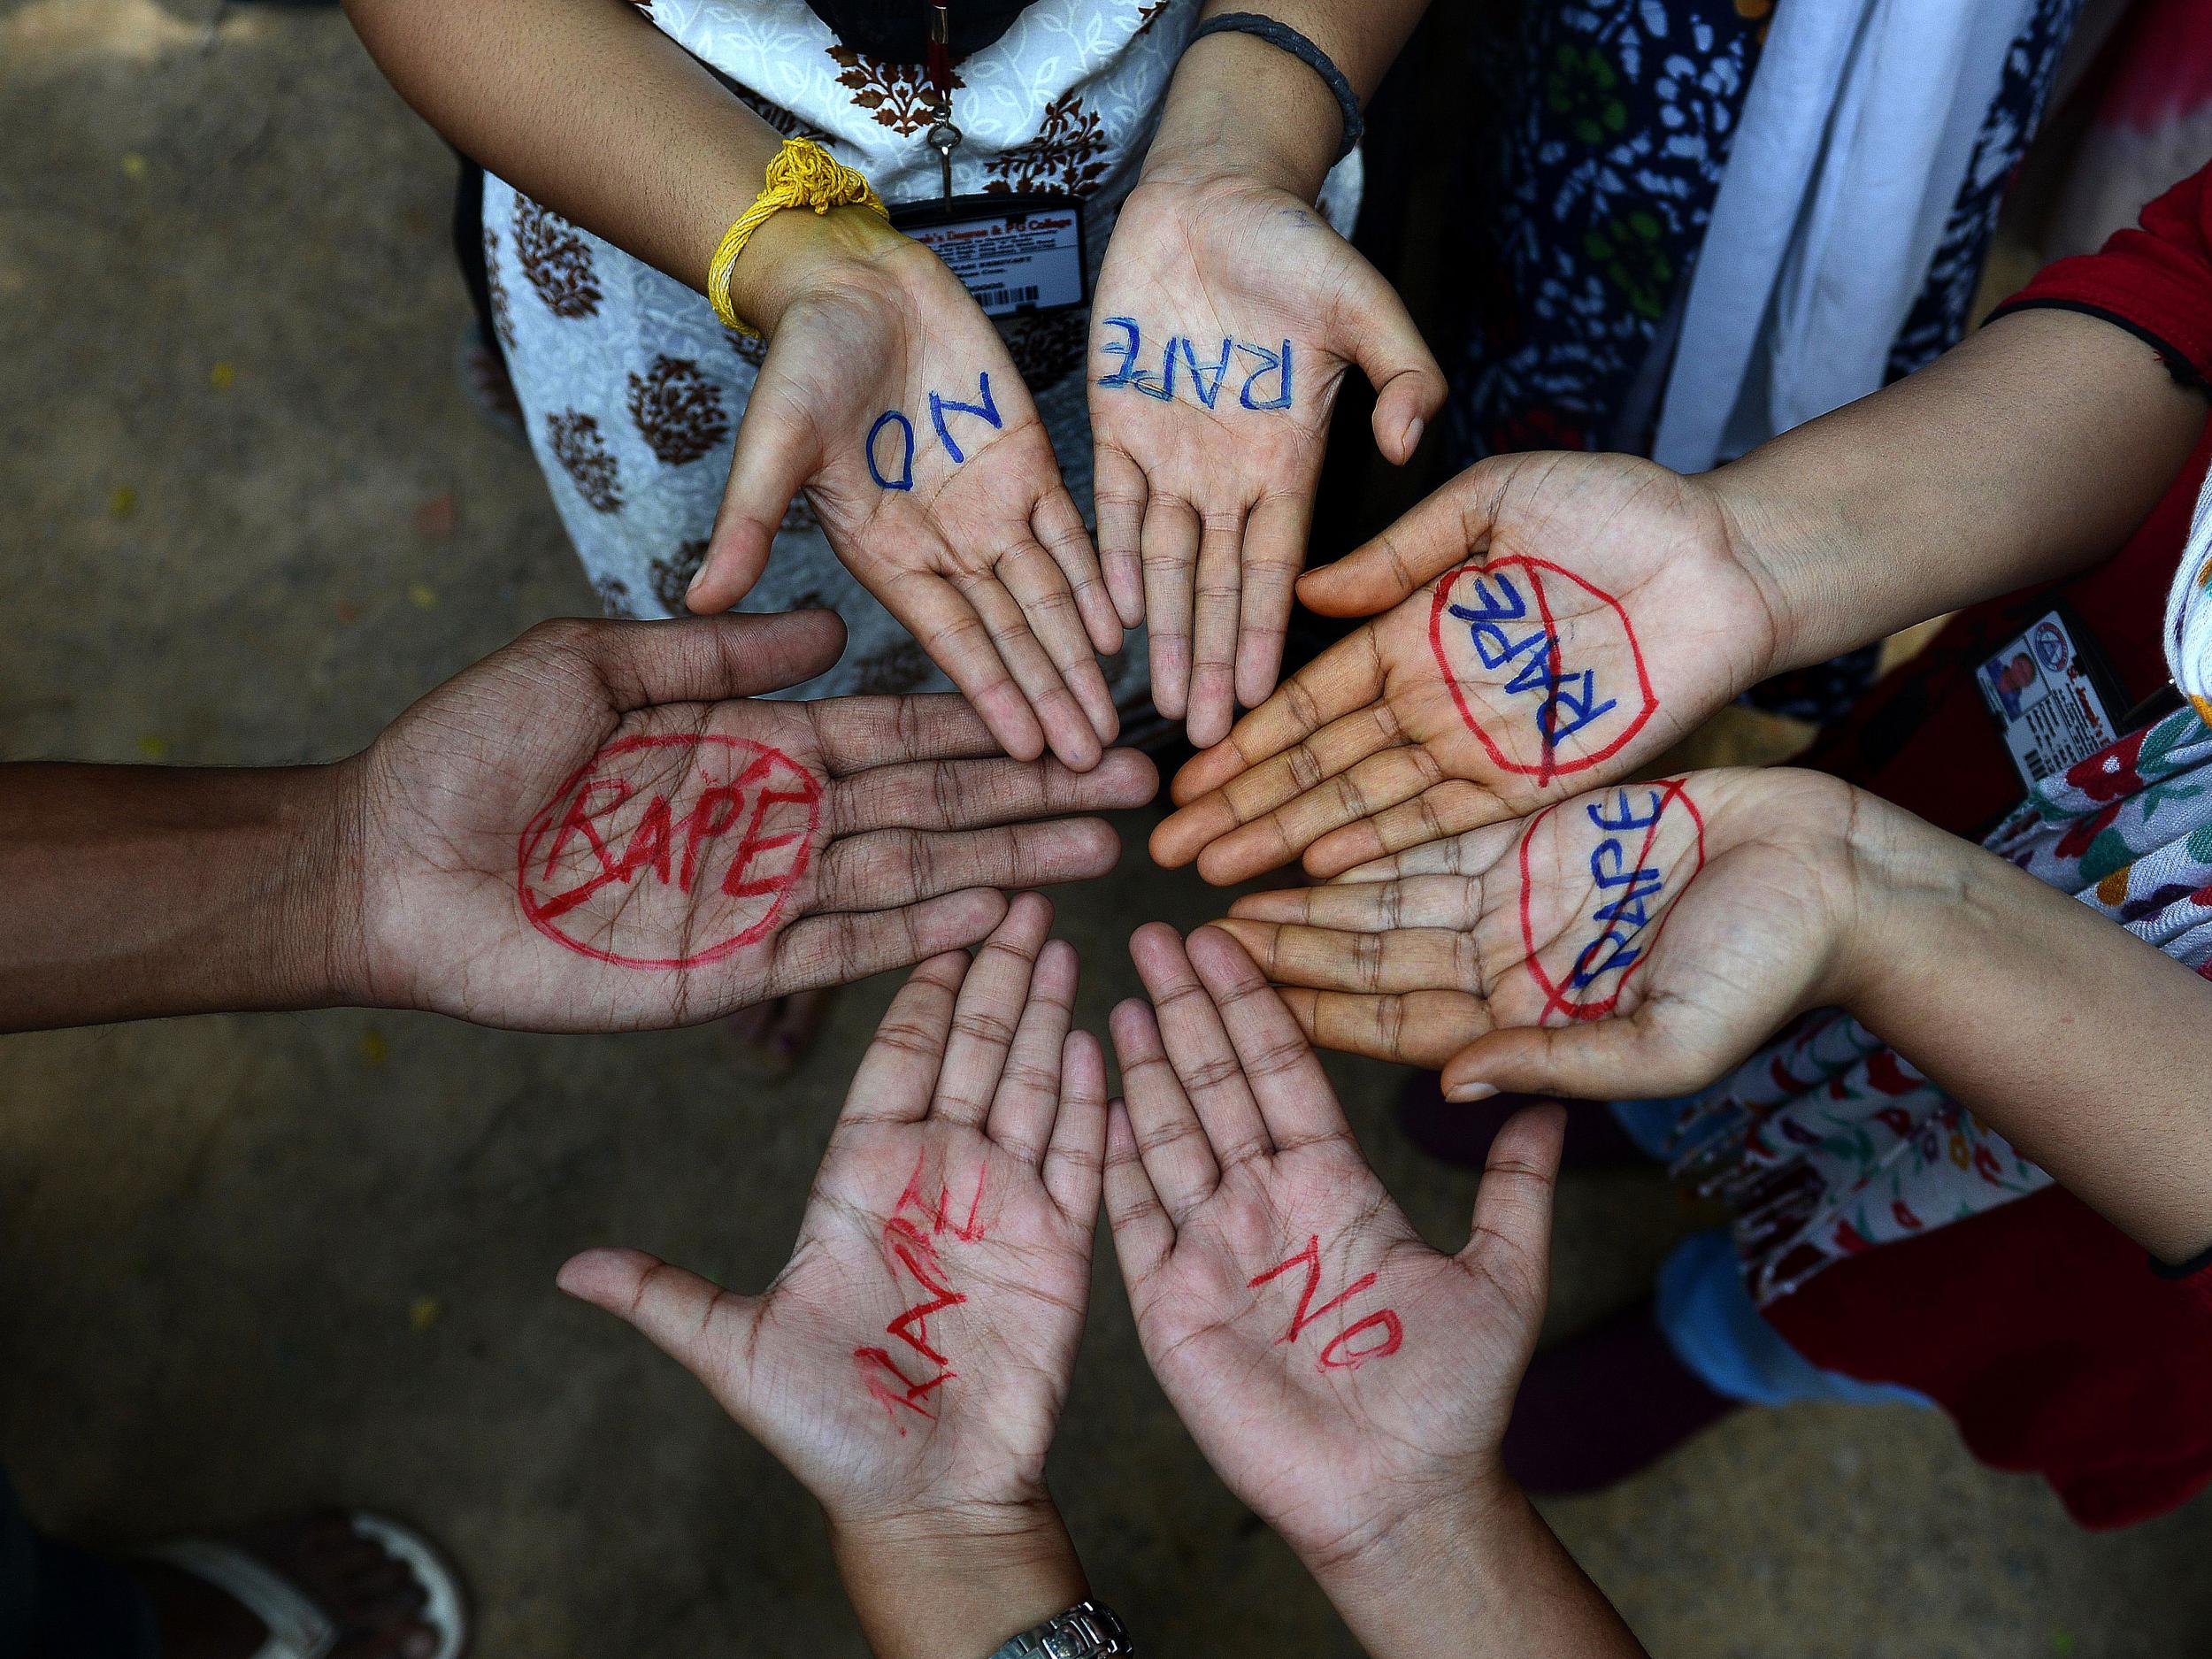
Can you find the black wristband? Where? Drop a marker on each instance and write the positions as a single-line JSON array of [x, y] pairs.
[[1286, 38]]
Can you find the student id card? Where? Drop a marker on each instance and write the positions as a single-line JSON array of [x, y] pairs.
[[2051, 699], [1013, 253]]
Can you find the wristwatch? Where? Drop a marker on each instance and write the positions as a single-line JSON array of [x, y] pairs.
[[1089, 1630]]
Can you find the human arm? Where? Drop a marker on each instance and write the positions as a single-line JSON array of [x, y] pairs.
[[979, 551], [911, 1364], [1642, 940], [1226, 316], [1348, 1382], [2028, 452], [598, 828]]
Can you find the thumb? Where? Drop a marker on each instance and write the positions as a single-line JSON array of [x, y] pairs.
[[776, 454], [705, 659], [690, 1319], [1398, 363], [1513, 1206], [1605, 1059], [1436, 534]]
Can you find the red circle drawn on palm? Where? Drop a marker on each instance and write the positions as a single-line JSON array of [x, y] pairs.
[[760, 778], [1537, 570], [1555, 996]]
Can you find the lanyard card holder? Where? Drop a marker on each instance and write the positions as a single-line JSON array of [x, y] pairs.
[[1012, 253]]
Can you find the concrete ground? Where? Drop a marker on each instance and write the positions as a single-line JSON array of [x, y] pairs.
[[249, 1264]]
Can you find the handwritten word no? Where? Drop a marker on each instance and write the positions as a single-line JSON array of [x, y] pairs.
[[1204, 374], [713, 832], [1498, 632], [1341, 1353], [910, 1245], [900, 447], [1633, 883]]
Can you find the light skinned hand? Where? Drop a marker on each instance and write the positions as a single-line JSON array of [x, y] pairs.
[[889, 397], [1342, 1376], [602, 827], [913, 1360], [1227, 314], [1636, 940], [1548, 623]]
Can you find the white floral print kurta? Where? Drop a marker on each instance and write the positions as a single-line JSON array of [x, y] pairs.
[[632, 391]]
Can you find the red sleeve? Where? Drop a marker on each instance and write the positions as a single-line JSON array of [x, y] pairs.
[[2153, 281]]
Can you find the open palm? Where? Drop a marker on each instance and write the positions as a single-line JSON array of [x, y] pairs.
[[1337, 1373], [1226, 316], [1638, 939], [915, 1355], [888, 396], [1604, 616], [598, 829]]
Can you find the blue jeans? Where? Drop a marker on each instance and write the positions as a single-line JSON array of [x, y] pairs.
[[1712, 1324]]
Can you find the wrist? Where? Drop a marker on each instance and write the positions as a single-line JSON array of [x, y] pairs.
[[1774, 546], [314, 934], [1243, 109], [1906, 877], [796, 252], [956, 1580], [1442, 1566]]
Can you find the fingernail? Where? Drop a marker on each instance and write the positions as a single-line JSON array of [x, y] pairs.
[[1467, 1094], [1414, 429]]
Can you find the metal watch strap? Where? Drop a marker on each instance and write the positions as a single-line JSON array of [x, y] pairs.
[[1089, 1630]]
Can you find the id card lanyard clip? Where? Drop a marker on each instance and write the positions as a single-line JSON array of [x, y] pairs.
[[1013, 250], [944, 137]]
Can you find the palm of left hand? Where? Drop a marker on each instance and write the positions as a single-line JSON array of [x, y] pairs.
[[594, 829], [1336, 1370], [1225, 318]]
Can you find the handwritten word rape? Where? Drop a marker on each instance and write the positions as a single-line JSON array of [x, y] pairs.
[[1205, 375], [1499, 613], [1341, 1353], [1497, 628], [910, 1245], [1634, 881], [669, 851], [899, 447]]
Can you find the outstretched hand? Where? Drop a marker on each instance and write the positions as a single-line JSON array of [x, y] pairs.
[[1227, 314], [1605, 613], [599, 828], [889, 397], [913, 1358], [1636, 940], [1339, 1374]]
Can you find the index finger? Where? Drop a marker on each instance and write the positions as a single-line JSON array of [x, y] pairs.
[[1347, 677], [1294, 1092], [899, 1073]]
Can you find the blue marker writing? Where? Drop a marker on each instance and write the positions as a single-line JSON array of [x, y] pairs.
[[987, 409], [905, 480], [1269, 361]]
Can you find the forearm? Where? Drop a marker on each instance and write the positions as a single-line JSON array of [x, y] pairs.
[[2029, 452], [932, 1587], [131, 892], [2088, 1049], [584, 106], [1481, 1578], [1238, 103]]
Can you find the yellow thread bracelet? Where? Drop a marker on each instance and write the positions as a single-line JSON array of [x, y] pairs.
[[803, 174]]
